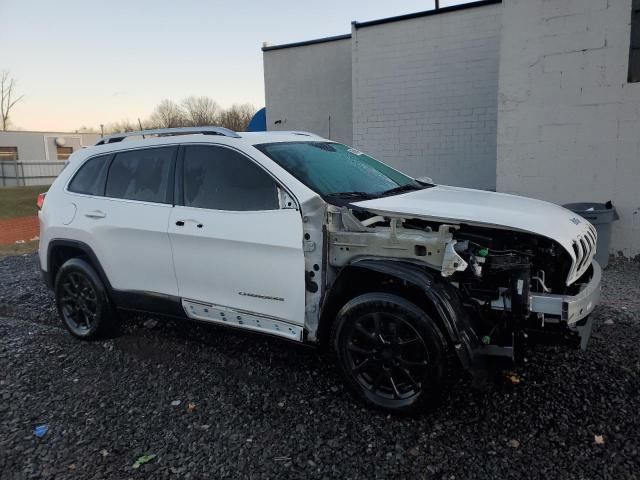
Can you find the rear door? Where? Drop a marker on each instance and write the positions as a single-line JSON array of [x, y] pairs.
[[238, 255], [126, 223]]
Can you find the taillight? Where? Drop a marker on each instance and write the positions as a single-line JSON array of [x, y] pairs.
[[40, 201]]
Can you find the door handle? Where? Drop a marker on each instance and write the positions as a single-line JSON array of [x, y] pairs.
[[95, 214], [180, 223]]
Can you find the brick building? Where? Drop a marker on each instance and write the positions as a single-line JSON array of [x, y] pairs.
[[534, 97]]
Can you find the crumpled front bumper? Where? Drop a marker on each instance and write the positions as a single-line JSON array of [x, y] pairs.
[[573, 310]]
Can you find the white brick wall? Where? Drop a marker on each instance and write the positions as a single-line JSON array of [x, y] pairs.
[[425, 94], [568, 121], [309, 88]]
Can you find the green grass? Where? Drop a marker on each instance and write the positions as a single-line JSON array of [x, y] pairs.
[[18, 248], [19, 201]]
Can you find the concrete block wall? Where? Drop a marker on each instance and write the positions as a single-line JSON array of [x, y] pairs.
[[568, 120], [425, 94], [308, 87]]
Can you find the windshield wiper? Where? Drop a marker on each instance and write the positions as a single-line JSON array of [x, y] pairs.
[[351, 195], [403, 188]]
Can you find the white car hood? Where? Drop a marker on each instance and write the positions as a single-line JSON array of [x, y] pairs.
[[497, 210]]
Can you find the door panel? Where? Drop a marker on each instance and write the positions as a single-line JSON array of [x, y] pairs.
[[123, 206], [130, 239], [249, 261]]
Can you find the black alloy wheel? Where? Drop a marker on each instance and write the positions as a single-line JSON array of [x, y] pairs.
[[78, 302], [82, 300], [391, 354]]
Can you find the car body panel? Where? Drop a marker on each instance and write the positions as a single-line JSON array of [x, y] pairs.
[[479, 207]]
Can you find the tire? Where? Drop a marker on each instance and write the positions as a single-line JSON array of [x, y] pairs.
[[82, 301], [391, 354]]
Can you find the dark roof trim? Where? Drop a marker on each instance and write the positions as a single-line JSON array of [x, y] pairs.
[[427, 13], [307, 42]]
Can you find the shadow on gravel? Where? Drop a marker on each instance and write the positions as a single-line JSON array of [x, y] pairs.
[[211, 402]]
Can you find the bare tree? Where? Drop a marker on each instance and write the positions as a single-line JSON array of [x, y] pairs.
[[7, 98], [120, 127], [167, 114], [86, 129], [237, 117], [200, 111]]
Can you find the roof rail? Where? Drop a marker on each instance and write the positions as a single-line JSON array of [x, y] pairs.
[[165, 132]]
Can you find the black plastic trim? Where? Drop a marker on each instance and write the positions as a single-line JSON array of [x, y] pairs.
[[148, 302], [307, 42], [426, 13], [86, 249]]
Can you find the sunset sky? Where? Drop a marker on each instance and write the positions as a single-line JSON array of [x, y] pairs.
[[82, 63]]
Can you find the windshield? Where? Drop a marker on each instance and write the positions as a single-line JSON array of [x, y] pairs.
[[332, 169]]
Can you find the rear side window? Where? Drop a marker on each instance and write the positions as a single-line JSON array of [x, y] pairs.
[[143, 175], [90, 177], [219, 178]]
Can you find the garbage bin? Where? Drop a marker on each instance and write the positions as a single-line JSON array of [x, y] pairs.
[[601, 215]]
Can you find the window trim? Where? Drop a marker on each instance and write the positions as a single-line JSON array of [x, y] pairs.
[[179, 188]]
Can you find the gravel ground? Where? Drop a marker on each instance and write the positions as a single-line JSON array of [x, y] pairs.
[[264, 408]]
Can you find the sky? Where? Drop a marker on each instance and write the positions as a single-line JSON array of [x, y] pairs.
[[84, 63]]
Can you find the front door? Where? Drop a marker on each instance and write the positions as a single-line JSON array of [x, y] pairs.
[[237, 254]]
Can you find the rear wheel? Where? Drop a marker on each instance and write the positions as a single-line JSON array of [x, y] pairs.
[[82, 301], [390, 352]]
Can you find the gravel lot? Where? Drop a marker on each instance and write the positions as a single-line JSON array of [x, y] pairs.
[[264, 408]]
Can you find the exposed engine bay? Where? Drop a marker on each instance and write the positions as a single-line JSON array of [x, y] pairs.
[[512, 283]]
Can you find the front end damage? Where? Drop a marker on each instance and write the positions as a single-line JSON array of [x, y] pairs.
[[493, 289]]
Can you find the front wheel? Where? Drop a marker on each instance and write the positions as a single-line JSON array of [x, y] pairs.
[[391, 354], [82, 301]]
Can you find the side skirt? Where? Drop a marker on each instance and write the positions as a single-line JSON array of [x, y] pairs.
[[219, 314]]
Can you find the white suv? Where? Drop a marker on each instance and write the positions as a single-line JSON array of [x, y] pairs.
[[293, 235]]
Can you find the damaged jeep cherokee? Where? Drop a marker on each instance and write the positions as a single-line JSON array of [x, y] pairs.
[[407, 282]]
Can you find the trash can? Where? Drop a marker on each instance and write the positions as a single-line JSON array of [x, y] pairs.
[[601, 216]]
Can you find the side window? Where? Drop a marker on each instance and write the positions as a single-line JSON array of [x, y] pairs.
[[89, 179], [141, 175], [219, 178]]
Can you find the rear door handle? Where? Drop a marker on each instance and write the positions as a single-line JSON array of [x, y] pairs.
[[180, 223], [95, 214]]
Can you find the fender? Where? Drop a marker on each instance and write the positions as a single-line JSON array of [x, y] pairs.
[[444, 298], [86, 249]]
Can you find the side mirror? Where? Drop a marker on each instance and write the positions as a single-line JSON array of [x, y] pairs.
[[425, 180]]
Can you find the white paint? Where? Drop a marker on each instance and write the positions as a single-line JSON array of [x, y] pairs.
[[251, 261], [478, 207], [425, 93], [568, 121], [309, 88]]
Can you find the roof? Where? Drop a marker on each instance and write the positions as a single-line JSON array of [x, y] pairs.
[[243, 138], [371, 23], [306, 42], [426, 13]]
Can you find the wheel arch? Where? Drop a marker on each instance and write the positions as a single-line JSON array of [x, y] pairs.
[[61, 250], [426, 289]]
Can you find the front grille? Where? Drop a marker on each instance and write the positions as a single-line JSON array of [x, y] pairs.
[[584, 248]]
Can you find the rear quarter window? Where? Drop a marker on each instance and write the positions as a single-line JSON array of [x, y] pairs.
[[90, 177]]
